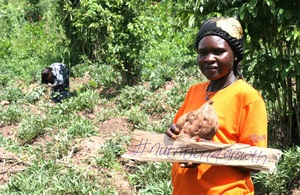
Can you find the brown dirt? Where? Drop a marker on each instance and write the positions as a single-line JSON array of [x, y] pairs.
[[82, 154], [10, 164], [89, 147], [6, 131]]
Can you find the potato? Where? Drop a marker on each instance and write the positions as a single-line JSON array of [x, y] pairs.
[[201, 123]]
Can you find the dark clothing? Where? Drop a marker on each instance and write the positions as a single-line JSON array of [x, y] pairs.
[[60, 79]]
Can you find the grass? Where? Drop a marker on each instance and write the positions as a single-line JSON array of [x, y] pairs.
[[49, 169], [44, 136], [48, 177], [48, 165], [160, 178], [111, 151]]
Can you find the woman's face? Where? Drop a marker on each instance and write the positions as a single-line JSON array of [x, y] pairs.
[[215, 57]]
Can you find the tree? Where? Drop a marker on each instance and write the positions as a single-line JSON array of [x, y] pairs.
[[273, 44], [110, 31], [272, 38]]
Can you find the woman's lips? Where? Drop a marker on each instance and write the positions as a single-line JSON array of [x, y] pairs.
[[211, 69]]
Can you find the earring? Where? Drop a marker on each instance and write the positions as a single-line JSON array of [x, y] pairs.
[[235, 59]]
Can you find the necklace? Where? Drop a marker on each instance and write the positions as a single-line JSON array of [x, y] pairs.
[[207, 95]]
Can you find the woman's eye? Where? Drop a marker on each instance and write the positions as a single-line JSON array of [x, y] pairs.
[[202, 53], [218, 52]]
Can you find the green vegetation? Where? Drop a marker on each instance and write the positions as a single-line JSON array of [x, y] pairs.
[[281, 179], [132, 61]]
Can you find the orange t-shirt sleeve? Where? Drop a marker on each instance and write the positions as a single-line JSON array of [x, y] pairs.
[[242, 115], [253, 129]]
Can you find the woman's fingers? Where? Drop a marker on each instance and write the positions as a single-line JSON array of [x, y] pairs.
[[173, 131], [189, 165]]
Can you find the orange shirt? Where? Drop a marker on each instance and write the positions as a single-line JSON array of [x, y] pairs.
[[243, 119]]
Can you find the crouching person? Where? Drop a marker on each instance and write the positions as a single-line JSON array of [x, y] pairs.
[[57, 77]]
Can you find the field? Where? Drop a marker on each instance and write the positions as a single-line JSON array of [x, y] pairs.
[[88, 144], [75, 147], [83, 158]]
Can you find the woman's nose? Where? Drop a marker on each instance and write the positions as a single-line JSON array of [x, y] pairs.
[[209, 58]]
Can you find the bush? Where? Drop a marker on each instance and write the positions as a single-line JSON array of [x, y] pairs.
[[111, 151], [31, 127], [280, 181], [81, 127], [12, 114]]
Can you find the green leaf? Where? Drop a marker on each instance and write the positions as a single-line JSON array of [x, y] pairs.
[[285, 72], [287, 14]]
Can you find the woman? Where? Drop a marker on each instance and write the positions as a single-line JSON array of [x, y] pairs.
[[240, 109], [57, 76]]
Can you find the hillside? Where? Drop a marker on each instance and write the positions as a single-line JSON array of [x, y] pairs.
[[93, 158], [83, 154]]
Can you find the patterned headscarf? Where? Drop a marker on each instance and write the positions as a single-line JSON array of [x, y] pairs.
[[228, 29]]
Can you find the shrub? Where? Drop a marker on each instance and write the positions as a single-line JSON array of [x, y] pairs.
[[281, 179], [132, 96], [111, 151], [12, 94], [11, 114], [81, 127], [31, 127], [85, 100]]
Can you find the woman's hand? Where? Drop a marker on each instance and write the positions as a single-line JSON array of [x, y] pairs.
[[49, 85], [173, 131], [189, 165]]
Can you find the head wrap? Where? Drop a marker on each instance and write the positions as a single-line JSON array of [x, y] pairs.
[[228, 29]]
